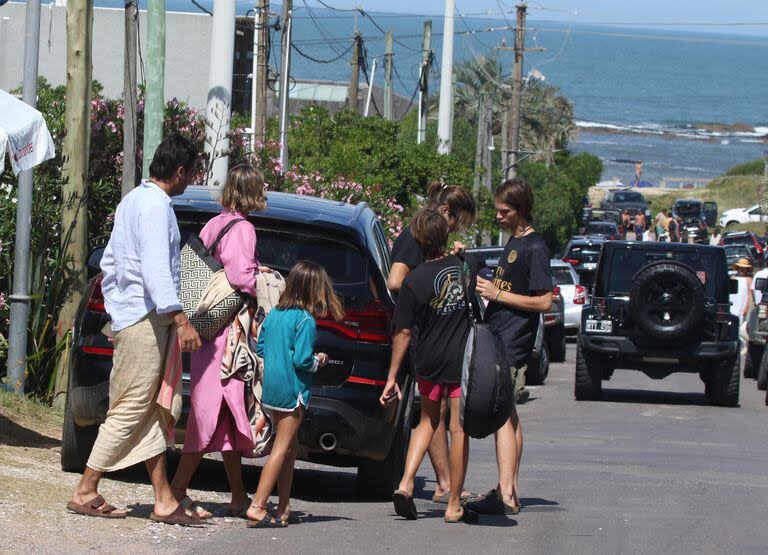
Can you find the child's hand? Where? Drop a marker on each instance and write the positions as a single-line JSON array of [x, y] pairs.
[[391, 391], [322, 359], [458, 247]]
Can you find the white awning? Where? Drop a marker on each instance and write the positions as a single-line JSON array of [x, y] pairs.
[[24, 135]]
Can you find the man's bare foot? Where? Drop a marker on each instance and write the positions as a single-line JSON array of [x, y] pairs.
[[238, 505], [81, 498]]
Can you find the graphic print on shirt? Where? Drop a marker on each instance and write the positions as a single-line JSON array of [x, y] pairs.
[[499, 281], [449, 293]]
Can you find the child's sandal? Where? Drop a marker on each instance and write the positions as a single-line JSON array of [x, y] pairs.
[[267, 521]]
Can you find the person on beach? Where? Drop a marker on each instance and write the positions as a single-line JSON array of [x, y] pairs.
[[432, 308], [660, 223], [218, 417], [458, 208], [673, 230], [286, 343], [141, 267], [638, 172], [519, 292], [639, 226]]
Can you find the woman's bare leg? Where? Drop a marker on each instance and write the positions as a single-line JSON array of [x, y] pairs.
[[459, 456], [420, 439], [285, 479], [286, 429], [234, 466]]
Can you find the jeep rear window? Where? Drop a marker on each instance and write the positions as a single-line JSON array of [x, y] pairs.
[[626, 263]]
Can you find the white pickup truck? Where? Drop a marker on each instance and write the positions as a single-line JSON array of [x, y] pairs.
[[742, 216]]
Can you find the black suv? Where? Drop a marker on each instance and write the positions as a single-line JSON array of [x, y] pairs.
[[583, 253], [693, 215], [660, 308], [345, 424], [623, 199]]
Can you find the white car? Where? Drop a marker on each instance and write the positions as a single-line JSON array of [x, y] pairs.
[[574, 294], [742, 216]]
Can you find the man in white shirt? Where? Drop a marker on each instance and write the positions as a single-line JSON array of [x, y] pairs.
[[141, 267]]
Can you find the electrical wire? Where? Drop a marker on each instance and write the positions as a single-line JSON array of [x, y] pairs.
[[308, 57], [201, 7], [323, 32]]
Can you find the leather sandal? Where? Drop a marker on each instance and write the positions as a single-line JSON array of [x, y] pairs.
[[178, 516], [96, 507]]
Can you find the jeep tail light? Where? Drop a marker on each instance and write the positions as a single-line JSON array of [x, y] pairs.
[[370, 324], [599, 305], [762, 311], [758, 247], [580, 295], [571, 261], [549, 319], [723, 313], [95, 296]]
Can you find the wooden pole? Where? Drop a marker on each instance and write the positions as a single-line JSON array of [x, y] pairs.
[[261, 71], [77, 143], [388, 61], [129, 98]]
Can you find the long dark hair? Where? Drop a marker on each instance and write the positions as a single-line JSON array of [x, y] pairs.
[[458, 200], [309, 288]]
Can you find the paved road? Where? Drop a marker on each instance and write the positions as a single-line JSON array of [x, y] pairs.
[[650, 469]]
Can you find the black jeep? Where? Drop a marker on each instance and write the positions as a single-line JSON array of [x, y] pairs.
[[660, 308]]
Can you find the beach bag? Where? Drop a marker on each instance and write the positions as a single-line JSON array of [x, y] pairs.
[[198, 267], [487, 388]]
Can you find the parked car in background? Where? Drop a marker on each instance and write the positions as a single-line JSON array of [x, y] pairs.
[[660, 308], [691, 212], [742, 216], [710, 212], [574, 294], [751, 241], [582, 253], [607, 230], [734, 252], [624, 199], [345, 423]]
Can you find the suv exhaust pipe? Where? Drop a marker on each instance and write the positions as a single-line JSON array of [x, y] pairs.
[[328, 442]]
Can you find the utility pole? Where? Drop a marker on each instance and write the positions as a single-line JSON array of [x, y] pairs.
[[74, 189], [479, 145], [129, 98], [285, 70], [426, 65], [388, 61], [370, 89], [17, 335], [260, 64], [489, 146], [219, 110], [354, 82], [155, 91], [445, 110]]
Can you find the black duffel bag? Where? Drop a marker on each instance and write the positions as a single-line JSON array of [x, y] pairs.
[[487, 388]]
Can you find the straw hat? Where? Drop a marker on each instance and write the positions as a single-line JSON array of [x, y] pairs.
[[743, 263]]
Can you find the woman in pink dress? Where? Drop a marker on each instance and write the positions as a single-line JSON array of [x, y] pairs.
[[218, 418]]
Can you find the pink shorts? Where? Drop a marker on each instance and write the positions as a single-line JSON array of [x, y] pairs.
[[436, 391]]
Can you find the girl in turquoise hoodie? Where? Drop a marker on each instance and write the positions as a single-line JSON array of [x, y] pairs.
[[286, 343]]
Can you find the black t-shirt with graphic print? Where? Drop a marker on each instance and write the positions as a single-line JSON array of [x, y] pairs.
[[406, 249], [432, 304], [523, 269]]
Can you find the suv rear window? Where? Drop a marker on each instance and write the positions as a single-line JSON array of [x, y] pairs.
[[562, 276], [588, 253], [625, 263], [628, 197]]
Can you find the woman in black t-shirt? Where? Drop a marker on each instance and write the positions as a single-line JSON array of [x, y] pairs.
[[519, 291], [431, 316], [458, 208]]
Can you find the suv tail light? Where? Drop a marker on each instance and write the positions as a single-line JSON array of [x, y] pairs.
[[580, 295], [762, 311], [571, 261], [95, 301], [758, 247], [723, 313], [556, 293], [370, 323]]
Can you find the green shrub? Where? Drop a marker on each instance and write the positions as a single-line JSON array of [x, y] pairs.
[[754, 167]]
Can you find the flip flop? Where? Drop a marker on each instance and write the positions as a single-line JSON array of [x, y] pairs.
[[178, 516], [468, 496], [404, 505], [467, 516], [96, 507], [194, 506], [267, 522]]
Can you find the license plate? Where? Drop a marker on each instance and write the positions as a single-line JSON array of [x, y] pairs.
[[600, 326], [589, 265]]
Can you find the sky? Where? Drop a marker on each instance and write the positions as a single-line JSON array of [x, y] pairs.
[[708, 15]]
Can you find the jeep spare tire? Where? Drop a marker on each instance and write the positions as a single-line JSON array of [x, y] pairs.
[[667, 300]]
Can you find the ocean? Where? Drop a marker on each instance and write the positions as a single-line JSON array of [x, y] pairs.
[[686, 104]]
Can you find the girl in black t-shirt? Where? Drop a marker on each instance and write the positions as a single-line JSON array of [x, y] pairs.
[[520, 290], [458, 208], [431, 311]]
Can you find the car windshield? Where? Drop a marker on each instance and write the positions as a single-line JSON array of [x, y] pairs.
[[589, 252], [628, 197], [625, 264], [606, 227], [562, 276]]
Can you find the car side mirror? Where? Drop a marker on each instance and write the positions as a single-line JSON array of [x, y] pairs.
[[94, 261], [733, 286], [761, 284]]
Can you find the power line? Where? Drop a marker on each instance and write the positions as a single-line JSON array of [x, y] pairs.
[[308, 57], [319, 27]]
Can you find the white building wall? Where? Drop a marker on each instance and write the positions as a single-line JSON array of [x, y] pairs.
[[188, 36]]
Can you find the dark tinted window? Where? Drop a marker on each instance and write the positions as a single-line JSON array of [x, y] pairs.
[[584, 251], [605, 227], [625, 263], [742, 239], [628, 197], [562, 276]]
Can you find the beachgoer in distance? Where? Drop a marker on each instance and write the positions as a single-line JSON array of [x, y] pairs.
[[715, 238], [141, 267], [741, 301], [520, 291], [639, 226], [432, 303], [218, 417], [673, 230], [638, 172], [286, 343], [626, 222], [458, 208]]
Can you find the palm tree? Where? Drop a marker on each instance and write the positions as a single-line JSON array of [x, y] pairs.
[[547, 121]]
